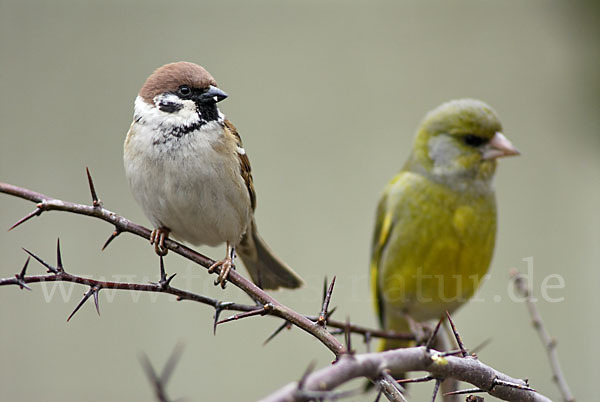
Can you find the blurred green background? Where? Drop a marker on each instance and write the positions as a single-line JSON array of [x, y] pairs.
[[326, 96]]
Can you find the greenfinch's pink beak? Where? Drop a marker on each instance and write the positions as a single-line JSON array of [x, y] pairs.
[[498, 147]]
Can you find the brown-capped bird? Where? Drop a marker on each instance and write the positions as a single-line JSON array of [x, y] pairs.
[[188, 170]]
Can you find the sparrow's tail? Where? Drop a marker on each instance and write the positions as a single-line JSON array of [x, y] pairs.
[[265, 268]]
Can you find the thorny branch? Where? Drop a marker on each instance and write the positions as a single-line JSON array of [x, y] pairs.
[[522, 287], [319, 385], [121, 224], [46, 203], [372, 365], [58, 274]]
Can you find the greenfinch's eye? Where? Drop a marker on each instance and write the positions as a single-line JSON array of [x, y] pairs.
[[184, 91], [473, 140]]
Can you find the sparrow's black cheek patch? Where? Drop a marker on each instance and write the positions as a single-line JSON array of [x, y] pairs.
[[170, 107], [208, 111]]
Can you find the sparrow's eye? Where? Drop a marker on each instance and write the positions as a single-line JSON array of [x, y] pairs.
[[473, 140], [184, 91]]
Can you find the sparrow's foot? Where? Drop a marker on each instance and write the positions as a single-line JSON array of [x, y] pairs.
[[225, 264], [158, 237]]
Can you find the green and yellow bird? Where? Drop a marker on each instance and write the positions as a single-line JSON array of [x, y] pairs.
[[436, 220]]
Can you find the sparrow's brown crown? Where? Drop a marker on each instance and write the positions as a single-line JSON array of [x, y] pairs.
[[171, 76]]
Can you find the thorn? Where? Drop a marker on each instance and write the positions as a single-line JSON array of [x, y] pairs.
[[36, 212], [86, 296], [111, 237], [512, 385], [411, 380], [219, 307], [280, 328], [309, 369], [59, 265], [479, 347], [95, 202], [96, 293], [457, 336], [367, 339], [261, 311], [433, 335], [44, 263], [21, 276], [324, 290], [465, 391], [348, 337], [164, 281], [451, 353], [322, 320], [436, 388]]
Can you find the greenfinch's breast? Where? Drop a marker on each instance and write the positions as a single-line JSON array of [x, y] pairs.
[[432, 247]]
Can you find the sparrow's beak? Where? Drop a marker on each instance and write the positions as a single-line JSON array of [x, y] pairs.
[[498, 147], [212, 95]]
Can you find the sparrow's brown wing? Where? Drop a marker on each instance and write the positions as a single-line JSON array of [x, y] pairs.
[[265, 268], [245, 169]]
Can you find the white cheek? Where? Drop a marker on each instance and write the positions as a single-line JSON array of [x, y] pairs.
[[155, 117]]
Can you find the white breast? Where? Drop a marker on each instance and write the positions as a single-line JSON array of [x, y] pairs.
[[184, 184]]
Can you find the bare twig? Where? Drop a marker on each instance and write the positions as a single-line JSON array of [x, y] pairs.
[[374, 365], [159, 383], [520, 283], [322, 320]]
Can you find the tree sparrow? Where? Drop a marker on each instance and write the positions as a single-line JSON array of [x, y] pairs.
[[188, 170]]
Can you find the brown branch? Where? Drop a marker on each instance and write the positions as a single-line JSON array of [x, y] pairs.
[[121, 224], [374, 365], [521, 285], [58, 274], [46, 203]]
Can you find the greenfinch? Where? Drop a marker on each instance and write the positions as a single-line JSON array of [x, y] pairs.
[[436, 220]]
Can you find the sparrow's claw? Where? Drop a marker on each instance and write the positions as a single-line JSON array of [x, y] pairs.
[[158, 237], [225, 264]]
